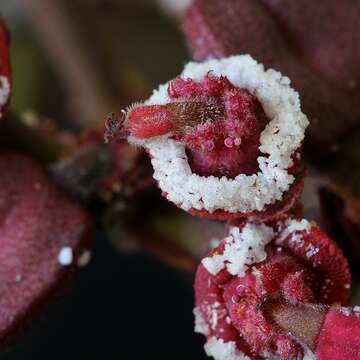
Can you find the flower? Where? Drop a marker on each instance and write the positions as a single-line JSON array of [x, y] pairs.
[[224, 139], [291, 261]]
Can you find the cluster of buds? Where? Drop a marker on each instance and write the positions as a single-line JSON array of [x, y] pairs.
[[225, 141]]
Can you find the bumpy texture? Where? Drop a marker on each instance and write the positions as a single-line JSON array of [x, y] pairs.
[[224, 138], [5, 70], [36, 223], [317, 44], [294, 262]]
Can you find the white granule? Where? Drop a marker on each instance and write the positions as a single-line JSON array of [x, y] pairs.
[[345, 311], [215, 312], [84, 258], [221, 350], [280, 139], [174, 7], [311, 251], [292, 226], [65, 257], [4, 90], [201, 326], [242, 249]]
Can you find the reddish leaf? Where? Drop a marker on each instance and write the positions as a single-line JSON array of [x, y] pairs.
[[36, 222]]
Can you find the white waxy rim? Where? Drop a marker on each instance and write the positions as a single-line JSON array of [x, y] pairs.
[[280, 139]]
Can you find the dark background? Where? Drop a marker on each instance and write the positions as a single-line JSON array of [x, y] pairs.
[[120, 307]]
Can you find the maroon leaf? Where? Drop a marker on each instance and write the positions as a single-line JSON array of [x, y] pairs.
[[37, 224]]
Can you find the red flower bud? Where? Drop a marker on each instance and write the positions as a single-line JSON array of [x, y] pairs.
[[225, 139], [292, 262]]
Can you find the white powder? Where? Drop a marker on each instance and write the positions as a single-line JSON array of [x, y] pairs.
[[4, 90], [174, 7], [201, 326], [215, 312], [345, 311], [280, 139], [220, 350], [65, 257], [84, 258], [241, 250], [291, 226]]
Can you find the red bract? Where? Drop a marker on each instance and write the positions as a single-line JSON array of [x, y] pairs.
[[316, 44], [300, 265], [5, 69], [39, 225]]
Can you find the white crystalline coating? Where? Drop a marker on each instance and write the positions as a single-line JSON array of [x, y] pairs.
[[174, 7], [280, 139], [221, 350], [4, 90], [291, 227], [345, 311], [311, 251], [201, 326], [65, 257], [242, 249]]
